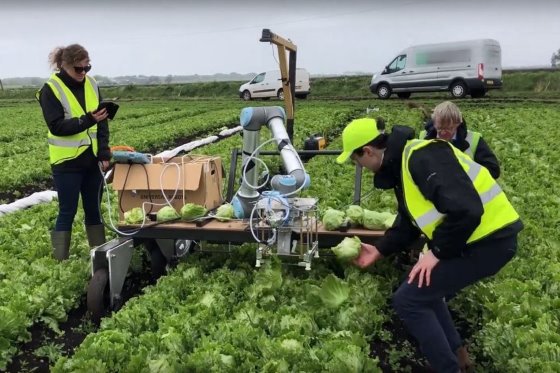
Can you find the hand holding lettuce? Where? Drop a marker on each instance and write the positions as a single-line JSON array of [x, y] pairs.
[[351, 249], [347, 249]]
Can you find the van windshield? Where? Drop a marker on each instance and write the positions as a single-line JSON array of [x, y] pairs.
[[397, 64], [259, 78]]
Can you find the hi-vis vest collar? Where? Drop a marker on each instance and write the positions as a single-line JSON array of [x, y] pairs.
[[472, 138], [498, 212], [61, 92]]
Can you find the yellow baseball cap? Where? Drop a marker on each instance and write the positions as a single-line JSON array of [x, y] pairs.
[[357, 133]]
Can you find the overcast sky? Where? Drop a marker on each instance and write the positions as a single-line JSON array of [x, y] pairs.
[[206, 37]]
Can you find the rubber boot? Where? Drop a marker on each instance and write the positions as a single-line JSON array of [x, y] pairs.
[[95, 235], [465, 363], [60, 241]]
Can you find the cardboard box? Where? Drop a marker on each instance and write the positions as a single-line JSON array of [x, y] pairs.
[[193, 178]]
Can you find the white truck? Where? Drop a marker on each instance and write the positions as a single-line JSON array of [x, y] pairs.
[[464, 67], [269, 84]]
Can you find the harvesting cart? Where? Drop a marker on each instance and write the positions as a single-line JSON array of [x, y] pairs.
[[271, 215]]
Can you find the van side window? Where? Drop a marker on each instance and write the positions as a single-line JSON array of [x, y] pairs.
[[397, 64], [447, 56], [259, 78]]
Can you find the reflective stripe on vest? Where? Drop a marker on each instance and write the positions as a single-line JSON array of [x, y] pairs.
[[498, 212], [472, 138], [71, 143], [63, 148]]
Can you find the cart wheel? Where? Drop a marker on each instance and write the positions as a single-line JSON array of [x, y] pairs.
[[183, 247], [158, 263], [98, 294]]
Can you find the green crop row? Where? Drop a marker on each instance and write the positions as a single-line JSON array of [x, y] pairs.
[[183, 325]]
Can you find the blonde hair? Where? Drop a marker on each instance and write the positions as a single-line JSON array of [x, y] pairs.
[[447, 111], [70, 55]]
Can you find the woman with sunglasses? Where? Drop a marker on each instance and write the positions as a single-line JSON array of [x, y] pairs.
[[78, 139]]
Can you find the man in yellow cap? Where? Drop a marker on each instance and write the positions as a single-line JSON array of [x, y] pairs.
[[470, 225]]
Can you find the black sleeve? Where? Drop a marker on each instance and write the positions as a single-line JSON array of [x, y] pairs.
[[487, 158], [399, 236], [442, 180], [54, 116], [104, 152]]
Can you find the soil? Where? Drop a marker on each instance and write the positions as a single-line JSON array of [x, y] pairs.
[[78, 325], [399, 336], [74, 330], [25, 191]]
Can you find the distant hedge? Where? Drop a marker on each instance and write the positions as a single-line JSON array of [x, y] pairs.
[[538, 82]]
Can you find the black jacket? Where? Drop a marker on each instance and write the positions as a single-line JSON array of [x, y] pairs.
[[54, 116], [441, 180], [483, 155]]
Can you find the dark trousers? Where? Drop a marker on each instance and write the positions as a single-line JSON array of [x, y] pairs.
[[424, 311], [69, 186]]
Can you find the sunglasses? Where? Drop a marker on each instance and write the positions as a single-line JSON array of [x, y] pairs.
[[81, 69]]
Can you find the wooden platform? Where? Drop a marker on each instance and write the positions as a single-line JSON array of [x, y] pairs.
[[237, 231]]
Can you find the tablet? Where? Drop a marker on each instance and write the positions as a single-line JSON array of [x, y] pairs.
[[110, 106]]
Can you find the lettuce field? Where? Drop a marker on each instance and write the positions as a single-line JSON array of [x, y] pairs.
[[217, 313]]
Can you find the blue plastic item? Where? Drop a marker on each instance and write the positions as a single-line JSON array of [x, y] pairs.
[[122, 156]]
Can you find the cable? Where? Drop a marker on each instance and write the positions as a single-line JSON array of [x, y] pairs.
[[168, 202], [273, 56], [252, 156], [144, 204]]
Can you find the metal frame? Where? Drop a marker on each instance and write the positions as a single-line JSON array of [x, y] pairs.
[[287, 73], [114, 255]]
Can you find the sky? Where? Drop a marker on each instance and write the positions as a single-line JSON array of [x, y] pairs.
[[215, 36]]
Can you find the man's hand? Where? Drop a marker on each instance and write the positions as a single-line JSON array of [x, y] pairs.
[[423, 268], [368, 255]]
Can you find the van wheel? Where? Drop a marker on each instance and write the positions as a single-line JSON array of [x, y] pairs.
[[404, 95], [280, 94], [458, 89], [246, 95], [383, 91]]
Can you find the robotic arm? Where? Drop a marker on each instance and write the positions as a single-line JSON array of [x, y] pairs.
[[252, 120]]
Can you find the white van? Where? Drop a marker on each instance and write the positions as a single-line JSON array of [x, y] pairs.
[[269, 84], [464, 67]]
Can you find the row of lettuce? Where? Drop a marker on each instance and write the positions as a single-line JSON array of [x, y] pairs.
[[220, 315], [151, 127], [217, 313], [35, 288], [516, 316]]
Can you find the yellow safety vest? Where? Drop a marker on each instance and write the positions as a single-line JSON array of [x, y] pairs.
[[472, 138], [64, 148], [498, 211]]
